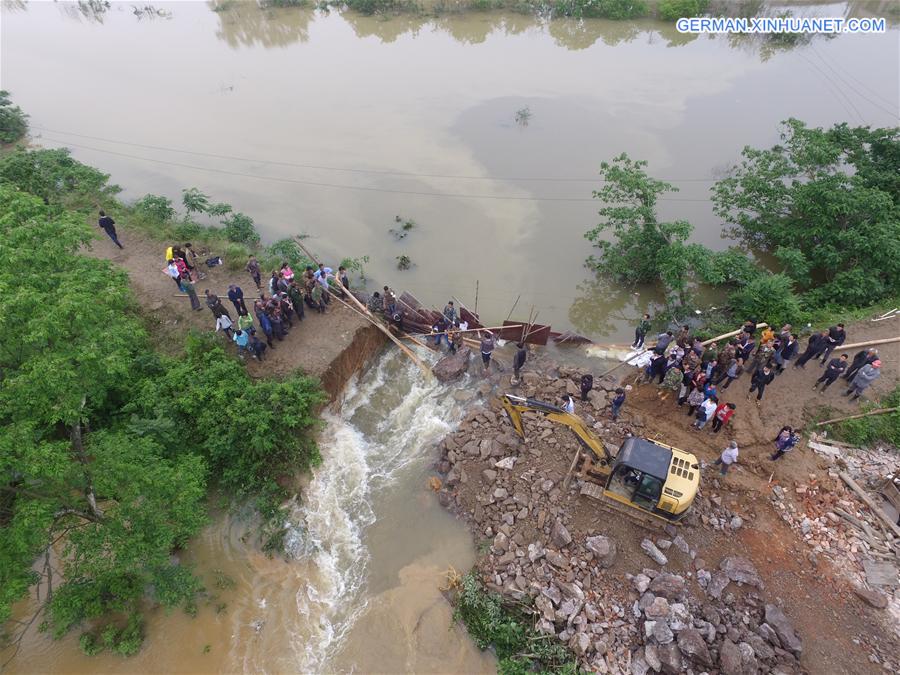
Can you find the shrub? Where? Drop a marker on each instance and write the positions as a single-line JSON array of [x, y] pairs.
[[12, 120], [239, 228], [869, 430], [287, 250], [156, 207], [769, 298], [235, 256], [194, 201], [670, 10]]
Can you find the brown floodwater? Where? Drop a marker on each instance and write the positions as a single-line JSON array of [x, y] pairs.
[[333, 124], [337, 123]]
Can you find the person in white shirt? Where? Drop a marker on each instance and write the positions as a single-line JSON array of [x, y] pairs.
[[173, 271], [729, 457], [569, 405], [463, 325], [223, 323], [706, 411]]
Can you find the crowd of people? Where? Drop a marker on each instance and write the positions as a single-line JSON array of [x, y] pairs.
[[700, 373], [279, 304]]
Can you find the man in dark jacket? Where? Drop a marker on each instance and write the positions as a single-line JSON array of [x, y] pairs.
[[587, 383], [836, 337], [787, 352], [641, 332], [519, 359], [215, 305], [862, 358], [236, 295], [761, 378], [832, 372], [109, 226], [816, 345]]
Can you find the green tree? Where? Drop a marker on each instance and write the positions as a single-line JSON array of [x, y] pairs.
[[250, 431], [99, 508], [644, 250], [13, 122], [768, 297], [55, 177], [826, 204], [670, 10], [157, 207], [239, 228], [194, 201]]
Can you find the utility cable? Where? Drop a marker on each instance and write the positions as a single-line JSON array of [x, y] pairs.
[[295, 181], [383, 172]]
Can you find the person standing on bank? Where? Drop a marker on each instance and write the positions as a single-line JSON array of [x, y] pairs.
[[641, 332], [832, 372], [109, 226], [728, 457], [236, 295], [587, 383], [864, 379], [518, 360], [835, 338], [784, 442], [815, 346], [487, 348], [761, 378], [861, 359], [255, 272], [187, 286], [450, 312]]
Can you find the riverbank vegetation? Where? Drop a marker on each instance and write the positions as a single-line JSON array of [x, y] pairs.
[[13, 122], [493, 623], [821, 208], [108, 449]]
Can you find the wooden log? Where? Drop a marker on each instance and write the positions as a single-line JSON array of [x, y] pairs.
[[731, 334], [365, 311], [571, 469], [880, 411], [854, 345], [862, 494], [468, 330]]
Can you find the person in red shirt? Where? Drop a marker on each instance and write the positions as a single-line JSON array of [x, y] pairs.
[[723, 413]]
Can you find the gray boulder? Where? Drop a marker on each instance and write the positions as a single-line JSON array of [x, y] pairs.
[[730, 662], [693, 646], [670, 586], [603, 548], [784, 630], [559, 535], [452, 366], [741, 570], [651, 550], [670, 656]]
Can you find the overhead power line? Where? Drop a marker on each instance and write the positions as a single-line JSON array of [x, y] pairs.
[[322, 167], [295, 181]]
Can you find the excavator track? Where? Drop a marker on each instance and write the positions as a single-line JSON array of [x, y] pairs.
[[636, 516]]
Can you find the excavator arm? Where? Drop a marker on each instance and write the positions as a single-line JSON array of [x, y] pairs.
[[516, 405]]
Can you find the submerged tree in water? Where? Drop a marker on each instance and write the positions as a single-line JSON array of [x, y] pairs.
[[644, 249], [826, 204]]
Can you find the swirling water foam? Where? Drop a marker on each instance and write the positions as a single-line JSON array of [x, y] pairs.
[[389, 420]]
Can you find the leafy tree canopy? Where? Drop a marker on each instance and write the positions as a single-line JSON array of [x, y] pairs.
[[826, 204], [13, 122]]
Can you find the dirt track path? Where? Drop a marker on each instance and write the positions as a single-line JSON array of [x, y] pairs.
[[312, 345]]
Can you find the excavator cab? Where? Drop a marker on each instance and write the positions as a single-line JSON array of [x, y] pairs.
[[644, 477]]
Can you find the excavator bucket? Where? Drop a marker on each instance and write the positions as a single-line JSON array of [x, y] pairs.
[[515, 417]]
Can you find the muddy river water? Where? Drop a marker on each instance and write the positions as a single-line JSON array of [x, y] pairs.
[[334, 124]]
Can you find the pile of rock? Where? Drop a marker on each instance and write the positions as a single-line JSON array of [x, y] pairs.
[[736, 634], [511, 493]]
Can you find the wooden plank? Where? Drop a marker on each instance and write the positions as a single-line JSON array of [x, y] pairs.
[[869, 502], [880, 411]]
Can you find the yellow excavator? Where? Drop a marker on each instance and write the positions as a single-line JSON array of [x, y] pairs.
[[647, 480]]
